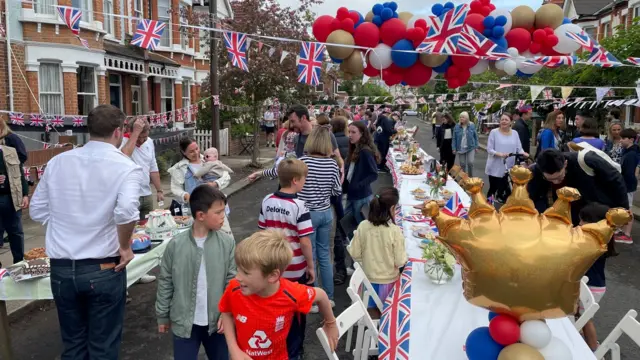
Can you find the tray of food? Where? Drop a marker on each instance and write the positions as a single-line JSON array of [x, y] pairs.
[[183, 221], [446, 193], [30, 269], [440, 202], [408, 169]]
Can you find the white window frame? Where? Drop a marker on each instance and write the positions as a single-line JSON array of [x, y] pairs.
[[163, 97], [87, 10], [165, 16], [136, 109], [186, 90], [119, 85], [184, 35], [605, 33], [138, 9], [109, 21], [95, 88], [593, 35], [636, 12], [48, 7], [60, 92]]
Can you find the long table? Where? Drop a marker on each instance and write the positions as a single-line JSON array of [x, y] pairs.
[[423, 320]]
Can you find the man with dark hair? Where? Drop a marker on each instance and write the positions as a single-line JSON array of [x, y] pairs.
[[615, 114], [581, 117], [299, 119], [89, 199], [521, 117], [593, 175]]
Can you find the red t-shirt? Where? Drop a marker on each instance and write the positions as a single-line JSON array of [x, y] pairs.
[[262, 324]]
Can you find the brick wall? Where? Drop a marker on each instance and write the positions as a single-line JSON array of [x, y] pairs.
[[21, 97], [48, 34], [126, 94], [177, 95], [70, 82], [97, 14], [32, 79], [157, 99], [102, 90]]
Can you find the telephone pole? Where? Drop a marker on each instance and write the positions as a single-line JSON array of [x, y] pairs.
[[213, 74]]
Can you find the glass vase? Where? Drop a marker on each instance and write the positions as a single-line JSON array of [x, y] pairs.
[[436, 272]]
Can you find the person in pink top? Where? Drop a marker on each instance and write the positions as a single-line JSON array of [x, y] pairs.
[[360, 115]]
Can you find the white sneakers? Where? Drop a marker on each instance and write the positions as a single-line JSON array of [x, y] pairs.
[[315, 309], [146, 279]]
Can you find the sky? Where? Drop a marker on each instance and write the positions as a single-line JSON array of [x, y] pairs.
[[329, 7]]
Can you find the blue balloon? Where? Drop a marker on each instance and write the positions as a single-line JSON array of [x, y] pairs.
[[360, 19], [449, 5], [403, 59], [480, 345], [492, 315], [501, 20], [523, 75], [337, 61], [385, 4], [489, 22], [403, 83], [443, 68], [437, 9], [392, 5], [377, 20], [502, 42], [497, 31], [395, 15], [488, 32], [386, 14], [566, 21], [377, 9]]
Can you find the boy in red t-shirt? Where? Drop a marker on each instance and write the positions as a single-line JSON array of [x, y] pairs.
[[258, 305]]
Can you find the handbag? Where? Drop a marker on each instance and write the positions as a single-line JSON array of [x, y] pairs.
[[175, 208]]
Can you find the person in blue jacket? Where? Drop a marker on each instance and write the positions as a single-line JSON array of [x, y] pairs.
[[551, 135], [385, 129], [361, 169], [465, 142]]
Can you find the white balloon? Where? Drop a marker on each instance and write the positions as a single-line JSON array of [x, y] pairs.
[[498, 12], [480, 67], [380, 57], [513, 51], [500, 64], [535, 333], [566, 45], [412, 22], [510, 67], [529, 69], [556, 350]]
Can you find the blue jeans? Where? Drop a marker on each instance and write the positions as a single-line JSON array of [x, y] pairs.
[[90, 304], [187, 348], [355, 207], [295, 338], [11, 222], [322, 221]]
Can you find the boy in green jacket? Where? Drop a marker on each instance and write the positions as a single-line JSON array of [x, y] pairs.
[[196, 267]]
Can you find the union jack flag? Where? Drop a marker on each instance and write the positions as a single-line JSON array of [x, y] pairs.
[[164, 118], [548, 94], [17, 118], [236, 44], [46, 145], [78, 121], [36, 120], [395, 324], [40, 170], [57, 121], [553, 61], [310, 63], [84, 42], [185, 115], [444, 34], [454, 207], [472, 42], [178, 116], [194, 109], [582, 38], [603, 58], [148, 34], [71, 17], [3, 273], [634, 60], [27, 172]]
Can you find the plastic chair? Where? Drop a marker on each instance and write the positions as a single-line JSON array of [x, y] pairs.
[[361, 290], [628, 325], [589, 305], [345, 321]]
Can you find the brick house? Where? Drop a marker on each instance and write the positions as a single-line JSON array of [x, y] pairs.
[[49, 63]]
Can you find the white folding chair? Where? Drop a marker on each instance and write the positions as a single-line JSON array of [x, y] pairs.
[[360, 289], [628, 325], [345, 321], [589, 305]]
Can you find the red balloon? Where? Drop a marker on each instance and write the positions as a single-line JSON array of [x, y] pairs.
[[493, 7], [322, 27], [547, 51], [535, 48], [453, 83], [465, 62], [551, 41], [465, 75], [485, 2], [347, 25], [396, 69], [417, 75], [342, 13], [391, 78], [486, 10], [367, 34], [452, 72], [336, 25], [539, 36], [392, 30], [519, 38], [549, 31], [475, 6], [354, 16], [475, 21], [504, 329], [370, 71], [421, 23]]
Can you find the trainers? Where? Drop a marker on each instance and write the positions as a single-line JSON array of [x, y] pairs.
[[146, 279], [623, 238], [315, 309], [128, 298], [339, 278]]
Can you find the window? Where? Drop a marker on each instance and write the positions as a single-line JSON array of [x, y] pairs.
[[320, 87], [47, 7], [606, 29], [186, 98], [636, 12], [50, 86], [166, 95], [115, 90], [591, 31], [184, 31], [623, 22], [85, 6], [87, 94], [137, 9], [108, 19], [164, 7]]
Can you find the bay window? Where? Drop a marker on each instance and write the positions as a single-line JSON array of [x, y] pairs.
[[50, 88], [87, 94]]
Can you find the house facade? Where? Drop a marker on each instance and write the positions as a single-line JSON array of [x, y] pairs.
[[601, 18]]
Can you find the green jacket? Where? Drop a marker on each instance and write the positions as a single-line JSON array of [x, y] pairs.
[[177, 283]]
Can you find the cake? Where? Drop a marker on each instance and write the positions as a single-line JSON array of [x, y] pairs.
[[35, 253], [140, 242], [37, 267]]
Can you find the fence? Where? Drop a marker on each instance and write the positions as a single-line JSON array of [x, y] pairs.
[[203, 137]]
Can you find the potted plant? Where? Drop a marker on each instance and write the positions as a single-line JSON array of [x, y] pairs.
[[440, 265]]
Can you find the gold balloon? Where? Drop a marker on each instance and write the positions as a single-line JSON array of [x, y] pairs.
[[432, 60], [523, 17], [405, 16], [340, 37], [519, 262], [369, 17], [520, 351], [549, 15], [353, 64]]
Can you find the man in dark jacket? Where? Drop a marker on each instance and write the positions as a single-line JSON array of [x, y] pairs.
[[595, 178], [384, 131], [630, 154], [522, 116]]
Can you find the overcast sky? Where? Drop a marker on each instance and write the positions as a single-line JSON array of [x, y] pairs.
[[329, 7]]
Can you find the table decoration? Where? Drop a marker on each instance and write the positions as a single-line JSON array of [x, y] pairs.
[[436, 181], [440, 265]]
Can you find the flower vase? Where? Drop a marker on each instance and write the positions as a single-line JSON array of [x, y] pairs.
[[437, 272], [435, 193]]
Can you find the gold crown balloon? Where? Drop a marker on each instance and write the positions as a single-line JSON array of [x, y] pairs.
[[519, 262]]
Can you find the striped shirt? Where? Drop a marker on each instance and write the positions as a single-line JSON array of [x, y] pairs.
[[288, 213], [323, 181]]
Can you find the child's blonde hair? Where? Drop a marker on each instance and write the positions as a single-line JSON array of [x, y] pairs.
[[290, 169], [210, 151], [267, 250]]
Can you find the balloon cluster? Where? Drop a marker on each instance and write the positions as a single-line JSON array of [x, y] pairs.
[[507, 339]]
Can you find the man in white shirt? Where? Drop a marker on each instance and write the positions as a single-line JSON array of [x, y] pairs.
[[270, 127], [88, 198]]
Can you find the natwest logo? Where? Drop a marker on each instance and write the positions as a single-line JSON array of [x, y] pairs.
[[241, 318], [261, 343]]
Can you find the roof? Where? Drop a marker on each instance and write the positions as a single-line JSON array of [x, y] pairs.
[[589, 7], [136, 53]]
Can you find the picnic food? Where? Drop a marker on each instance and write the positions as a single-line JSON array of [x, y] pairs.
[[35, 253], [183, 220], [37, 267], [418, 191], [421, 197], [410, 169]]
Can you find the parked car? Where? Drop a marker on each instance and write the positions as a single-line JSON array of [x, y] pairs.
[[410, 112]]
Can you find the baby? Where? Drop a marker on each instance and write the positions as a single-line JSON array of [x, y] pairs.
[[212, 169]]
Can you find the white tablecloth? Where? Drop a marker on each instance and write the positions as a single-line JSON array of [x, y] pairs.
[[441, 318]]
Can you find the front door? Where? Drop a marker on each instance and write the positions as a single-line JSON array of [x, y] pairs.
[[135, 100]]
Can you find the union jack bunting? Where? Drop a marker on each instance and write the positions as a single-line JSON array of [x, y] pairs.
[[444, 34], [164, 118], [395, 324], [57, 121], [71, 17], [454, 207], [27, 172], [78, 121], [36, 120], [236, 44], [148, 34], [194, 109], [422, 100], [40, 170], [310, 63], [3, 31], [430, 96], [610, 93], [521, 103], [472, 42], [456, 97], [469, 96], [603, 58], [548, 94], [634, 60], [216, 100], [185, 115], [17, 118], [178, 116], [553, 61], [582, 38], [46, 146], [439, 99]]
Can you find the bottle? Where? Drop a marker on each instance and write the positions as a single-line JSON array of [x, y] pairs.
[[185, 209]]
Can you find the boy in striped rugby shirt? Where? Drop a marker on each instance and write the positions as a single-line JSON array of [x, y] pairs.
[[283, 211]]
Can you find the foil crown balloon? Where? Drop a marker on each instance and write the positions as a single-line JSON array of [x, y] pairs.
[[517, 261]]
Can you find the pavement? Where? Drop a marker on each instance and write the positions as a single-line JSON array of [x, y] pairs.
[[622, 275]]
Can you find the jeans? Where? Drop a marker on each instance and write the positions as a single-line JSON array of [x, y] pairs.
[[90, 304], [355, 207], [146, 206], [322, 221], [339, 243], [295, 338], [466, 162], [11, 222], [187, 348]]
